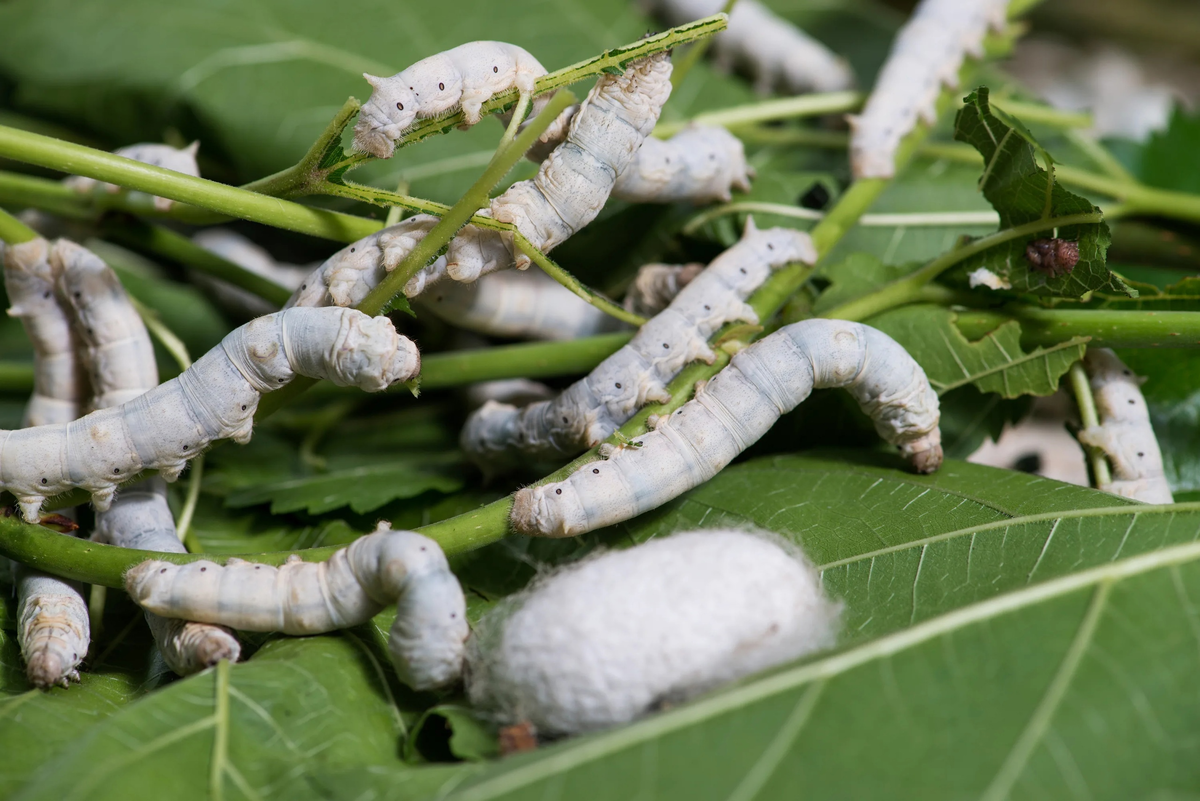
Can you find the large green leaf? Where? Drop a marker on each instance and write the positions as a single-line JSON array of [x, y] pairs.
[[298, 705], [1022, 192], [995, 363], [1171, 159]]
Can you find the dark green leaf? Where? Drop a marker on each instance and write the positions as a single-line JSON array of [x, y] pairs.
[[995, 363], [1170, 159]]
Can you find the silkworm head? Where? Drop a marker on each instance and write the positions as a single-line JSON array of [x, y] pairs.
[[390, 110]]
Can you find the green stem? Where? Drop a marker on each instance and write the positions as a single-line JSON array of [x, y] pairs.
[[695, 53], [57, 198], [609, 60], [165, 336], [184, 527], [1043, 114], [581, 290], [902, 290], [1107, 328], [810, 105], [514, 124], [16, 377], [67, 157], [164, 242], [13, 231], [1082, 388], [528, 360]]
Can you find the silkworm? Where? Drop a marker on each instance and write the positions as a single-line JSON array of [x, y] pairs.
[[53, 627], [59, 382], [120, 359], [697, 165], [498, 436], [567, 193], [520, 305], [731, 412], [213, 399], [463, 77], [1052, 257], [1125, 433], [182, 160], [656, 285], [774, 52], [426, 642], [926, 55], [619, 635]]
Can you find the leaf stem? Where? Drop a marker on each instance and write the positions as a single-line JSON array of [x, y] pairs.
[[1107, 328], [1082, 388], [302, 177], [527, 360], [902, 290], [1043, 114], [783, 108], [13, 231], [184, 527], [581, 290], [897, 219], [76, 159], [695, 52]]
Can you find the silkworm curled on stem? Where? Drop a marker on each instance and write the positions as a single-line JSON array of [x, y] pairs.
[[731, 412], [426, 642], [213, 399]]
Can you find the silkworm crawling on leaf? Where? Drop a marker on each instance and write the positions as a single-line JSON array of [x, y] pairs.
[[355, 584], [499, 436], [1125, 433], [181, 160], [697, 165], [120, 360], [926, 55], [214, 399], [731, 412], [775, 53], [520, 305], [463, 77], [53, 627], [656, 285], [610, 639]]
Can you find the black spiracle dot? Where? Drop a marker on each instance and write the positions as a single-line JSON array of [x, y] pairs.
[[453, 615], [707, 307], [422, 549], [558, 492], [1141, 454], [400, 107], [258, 567], [618, 385], [441, 85], [565, 420], [1132, 402], [303, 287], [185, 447], [351, 250], [45, 481], [203, 569], [495, 69], [769, 247], [46, 294], [666, 346], [79, 294], [742, 270], [164, 570], [243, 407], [116, 471], [596, 470]]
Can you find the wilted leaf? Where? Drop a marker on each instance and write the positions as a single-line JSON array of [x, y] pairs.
[[1022, 191], [995, 363]]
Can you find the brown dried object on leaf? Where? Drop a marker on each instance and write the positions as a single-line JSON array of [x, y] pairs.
[[1053, 257]]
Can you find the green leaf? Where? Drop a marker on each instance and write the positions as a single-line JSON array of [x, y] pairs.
[[364, 488], [1170, 159], [450, 730], [855, 276], [1023, 192], [995, 363], [298, 705]]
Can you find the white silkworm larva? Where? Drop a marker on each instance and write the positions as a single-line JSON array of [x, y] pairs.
[[1125, 433], [497, 436], [120, 358], [463, 77], [605, 641], [520, 305], [213, 399], [567, 193], [181, 160], [700, 164], [59, 382], [926, 55], [656, 285], [53, 627], [775, 53], [731, 412], [355, 584]]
